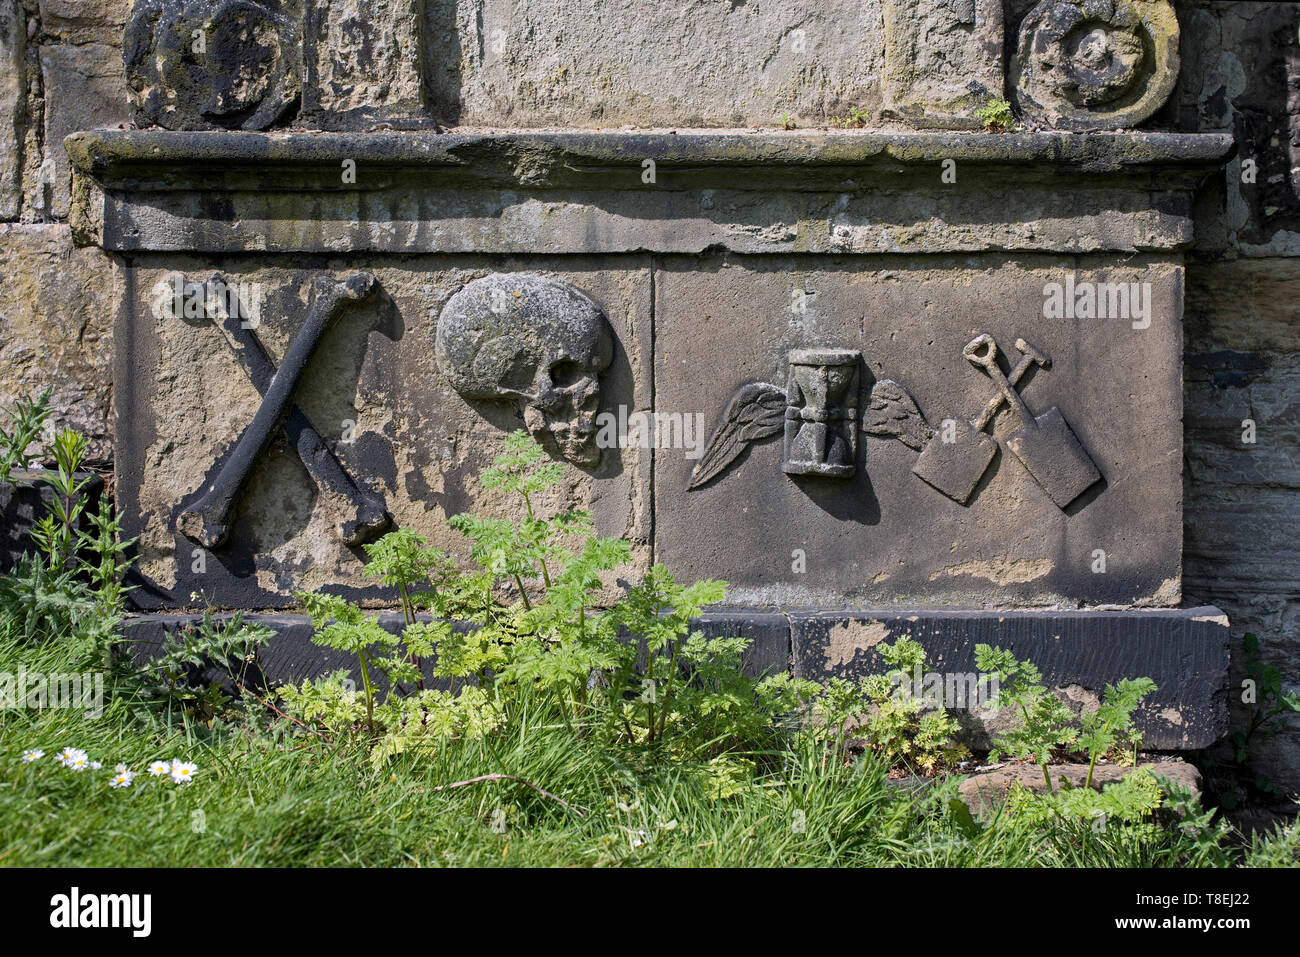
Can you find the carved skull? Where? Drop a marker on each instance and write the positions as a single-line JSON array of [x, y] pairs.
[[523, 337]]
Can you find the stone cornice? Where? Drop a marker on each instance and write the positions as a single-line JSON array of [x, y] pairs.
[[113, 154], [659, 192]]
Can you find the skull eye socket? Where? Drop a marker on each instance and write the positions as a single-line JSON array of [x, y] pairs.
[[566, 373]]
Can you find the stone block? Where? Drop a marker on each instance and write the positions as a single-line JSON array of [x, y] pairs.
[[842, 272], [985, 792], [768, 633], [56, 328], [615, 63], [365, 64], [1185, 651], [943, 60], [382, 404], [13, 105], [289, 657], [1241, 72], [884, 534], [79, 21], [24, 500], [84, 89], [1243, 306]]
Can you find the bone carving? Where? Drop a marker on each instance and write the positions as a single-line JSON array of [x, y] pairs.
[[207, 520]]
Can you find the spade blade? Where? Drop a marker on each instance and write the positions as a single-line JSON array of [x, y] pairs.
[[956, 467], [1055, 458]]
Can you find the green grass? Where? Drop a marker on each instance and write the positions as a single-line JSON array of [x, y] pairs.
[[272, 795]]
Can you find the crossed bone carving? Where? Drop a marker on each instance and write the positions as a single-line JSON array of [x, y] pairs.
[[207, 521]]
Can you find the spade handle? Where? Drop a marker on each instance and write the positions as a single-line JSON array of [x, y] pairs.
[[982, 351]]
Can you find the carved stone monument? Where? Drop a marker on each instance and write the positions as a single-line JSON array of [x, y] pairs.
[[329, 330]]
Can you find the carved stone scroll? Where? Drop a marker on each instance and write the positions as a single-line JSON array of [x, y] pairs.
[[1096, 64], [195, 65]]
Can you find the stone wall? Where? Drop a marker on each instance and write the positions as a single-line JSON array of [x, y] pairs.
[[60, 71], [1241, 73], [613, 63]]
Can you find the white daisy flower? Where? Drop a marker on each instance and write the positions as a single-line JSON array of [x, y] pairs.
[[32, 755], [119, 768], [95, 765], [122, 779], [183, 771], [158, 769], [73, 758]]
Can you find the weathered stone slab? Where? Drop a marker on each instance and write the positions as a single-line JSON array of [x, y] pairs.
[[768, 634], [84, 89], [985, 792], [943, 60], [1185, 651], [884, 534], [1034, 532], [76, 21], [291, 657], [364, 64], [13, 105], [661, 192], [379, 403], [56, 328], [611, 63]]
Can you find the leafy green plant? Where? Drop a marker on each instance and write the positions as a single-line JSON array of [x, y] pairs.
[[73, 587], [1131, 800], [996, 116], [44, 604], [106, 561], [526, 627], [56, 532], [891, 716], [1277, 848], [900, 726], [25, 422], [176, 677], [658, 613], [1047, 724], [404, 559], [1267, 700], [343, 626], [1112, 721], [858, 117]]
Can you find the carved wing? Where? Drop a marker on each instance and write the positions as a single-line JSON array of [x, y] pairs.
[[894, 414], [756, 411]]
